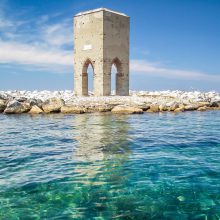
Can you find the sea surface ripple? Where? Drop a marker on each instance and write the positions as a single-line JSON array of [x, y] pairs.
[[103, 166]]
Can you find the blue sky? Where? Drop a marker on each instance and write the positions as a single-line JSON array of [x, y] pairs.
[[173, 44]]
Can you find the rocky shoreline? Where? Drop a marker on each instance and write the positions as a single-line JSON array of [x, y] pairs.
[[66, 102]]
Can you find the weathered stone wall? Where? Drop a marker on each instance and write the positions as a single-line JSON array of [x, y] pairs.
[[101, 38], [116, 51]]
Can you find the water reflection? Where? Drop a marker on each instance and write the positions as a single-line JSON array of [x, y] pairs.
[[100, 137], [102, 144]]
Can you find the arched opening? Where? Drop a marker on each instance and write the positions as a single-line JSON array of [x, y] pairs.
[[113, 79], [87, 77], [116, 73]]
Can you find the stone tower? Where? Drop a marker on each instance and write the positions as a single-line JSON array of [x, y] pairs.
[[101, 38]]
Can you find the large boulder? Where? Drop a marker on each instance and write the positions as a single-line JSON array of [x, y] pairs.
[[124, 109], [202, 108], [105, 108], [37, 102], [173, 107], [202, 104], [98, 108], [68, 109], [163, 108], [53, 105], [191, 107], [35, 110], [180, 109], [144, 107], [154, 108], [3, 104], [15, 107]]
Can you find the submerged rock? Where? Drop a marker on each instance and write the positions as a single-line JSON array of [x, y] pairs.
[[15, 107], [181, 198], [53, 105], [123, 109]]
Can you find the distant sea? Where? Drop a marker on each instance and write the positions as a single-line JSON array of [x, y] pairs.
[[103, 166]]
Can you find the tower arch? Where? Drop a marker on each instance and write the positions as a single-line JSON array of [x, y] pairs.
[[118, 75], [85, 77]]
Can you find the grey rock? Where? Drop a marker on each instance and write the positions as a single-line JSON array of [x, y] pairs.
[[37, 102], [21, 99], [15, 107], [215, 104]]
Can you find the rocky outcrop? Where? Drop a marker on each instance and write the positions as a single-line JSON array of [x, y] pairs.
[[123, 109], [53, 105], [67, 102], [15, 107]]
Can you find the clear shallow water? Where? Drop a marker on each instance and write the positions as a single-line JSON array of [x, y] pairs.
[[93, 166]]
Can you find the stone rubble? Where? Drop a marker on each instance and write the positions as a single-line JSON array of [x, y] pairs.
[[66, 102]]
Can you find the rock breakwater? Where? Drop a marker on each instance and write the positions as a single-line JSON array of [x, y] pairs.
[[66, 102]]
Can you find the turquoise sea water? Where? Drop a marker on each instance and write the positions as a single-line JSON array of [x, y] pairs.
[[101, 166]]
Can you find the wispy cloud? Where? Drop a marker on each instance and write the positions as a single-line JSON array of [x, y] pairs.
[[42, 43], [47, 45], [12, 52], [59, 34], [145, 67]]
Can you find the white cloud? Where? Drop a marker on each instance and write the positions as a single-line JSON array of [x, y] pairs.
[[43, 45], [36, 43], [59, 34], [4, 23], [17, 53], [59, 60], [142, 66]]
